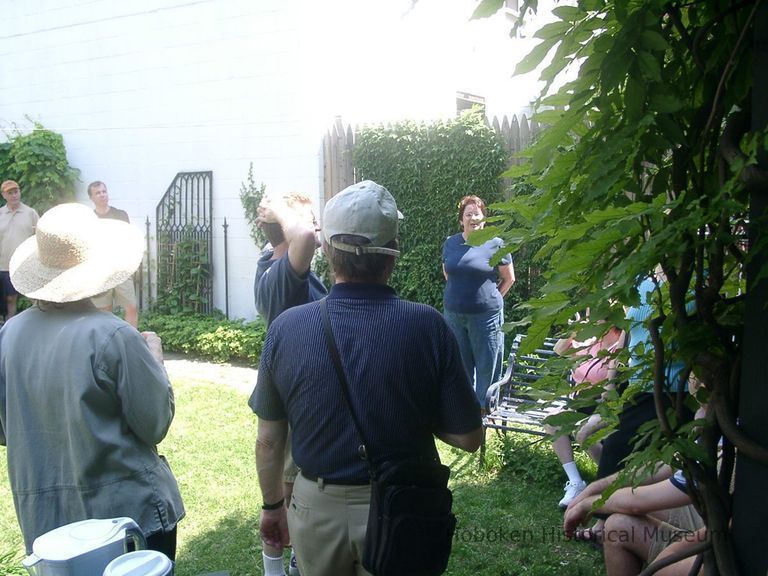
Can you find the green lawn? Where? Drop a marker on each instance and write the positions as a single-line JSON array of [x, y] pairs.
[[509, 523]]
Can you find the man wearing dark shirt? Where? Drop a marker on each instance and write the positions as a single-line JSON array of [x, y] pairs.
[[125, 294], [406, 380], [283, 280]]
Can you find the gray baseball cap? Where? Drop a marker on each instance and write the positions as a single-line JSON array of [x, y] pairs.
[[364, 209]]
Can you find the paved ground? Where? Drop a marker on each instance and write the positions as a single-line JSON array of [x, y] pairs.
[[180, 366]]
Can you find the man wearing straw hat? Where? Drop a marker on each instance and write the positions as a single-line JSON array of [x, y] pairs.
[[17, 223], [84, 398]]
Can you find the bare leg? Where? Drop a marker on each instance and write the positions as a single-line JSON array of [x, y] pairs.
[[132, 315], [10, 303], [592, 425], [561, 445], [626, 543], [595, 451], [683, 567]]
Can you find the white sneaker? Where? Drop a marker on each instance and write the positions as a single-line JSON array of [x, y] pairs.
[[572, 489]]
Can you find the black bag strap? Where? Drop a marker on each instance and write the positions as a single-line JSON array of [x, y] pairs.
[[363, 449]]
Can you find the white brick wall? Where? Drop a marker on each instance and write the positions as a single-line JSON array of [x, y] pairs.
[[144, 89]]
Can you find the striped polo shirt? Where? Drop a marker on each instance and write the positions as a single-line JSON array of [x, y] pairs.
[[403, 367]]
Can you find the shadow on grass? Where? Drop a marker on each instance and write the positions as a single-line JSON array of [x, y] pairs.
[[231, 546], [508, 520]]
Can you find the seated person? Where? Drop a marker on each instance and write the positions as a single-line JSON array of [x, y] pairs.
[[642, 521], [593, 370]]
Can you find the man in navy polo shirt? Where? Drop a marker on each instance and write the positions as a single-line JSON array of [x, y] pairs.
[[407, 385]]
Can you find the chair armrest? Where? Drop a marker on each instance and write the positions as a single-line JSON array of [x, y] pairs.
[[491, 394]]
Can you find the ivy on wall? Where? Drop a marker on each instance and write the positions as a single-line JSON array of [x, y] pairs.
[[428, 168], [182, 273], [37, 160], [250, 197]]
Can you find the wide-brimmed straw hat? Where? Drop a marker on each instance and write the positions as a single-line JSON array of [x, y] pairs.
[[74, 254]]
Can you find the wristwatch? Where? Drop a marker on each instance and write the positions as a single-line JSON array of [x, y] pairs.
[[276, 506]]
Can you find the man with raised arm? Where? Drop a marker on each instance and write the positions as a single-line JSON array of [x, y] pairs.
[[283, 280]]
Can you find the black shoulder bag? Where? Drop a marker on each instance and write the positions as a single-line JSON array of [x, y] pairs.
[[410, 524]]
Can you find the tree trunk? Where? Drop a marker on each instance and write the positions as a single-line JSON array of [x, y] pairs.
[[750, 505]]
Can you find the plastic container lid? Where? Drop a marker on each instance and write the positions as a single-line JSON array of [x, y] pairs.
[[79, 538], [140, 563]]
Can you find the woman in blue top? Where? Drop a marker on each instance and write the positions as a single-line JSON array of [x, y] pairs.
[[474, 296], [618, 445]]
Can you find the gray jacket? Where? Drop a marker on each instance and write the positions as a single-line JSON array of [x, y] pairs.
[[83, 405]]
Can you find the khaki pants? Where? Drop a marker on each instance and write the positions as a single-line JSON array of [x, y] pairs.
[[683, 520], [327, 525], [120, 295]]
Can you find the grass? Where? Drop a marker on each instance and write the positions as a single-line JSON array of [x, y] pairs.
[[509, 523]]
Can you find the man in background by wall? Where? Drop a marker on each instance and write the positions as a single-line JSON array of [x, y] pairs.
[[124, 294], [17, 223], [284, 280]]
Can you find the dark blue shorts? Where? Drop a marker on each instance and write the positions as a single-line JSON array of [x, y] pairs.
[[5, 284], [620, 444]]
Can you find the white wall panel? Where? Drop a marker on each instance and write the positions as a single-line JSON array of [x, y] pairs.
[[142, 90]]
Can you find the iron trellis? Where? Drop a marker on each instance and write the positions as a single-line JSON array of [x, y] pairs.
[[184, 244]]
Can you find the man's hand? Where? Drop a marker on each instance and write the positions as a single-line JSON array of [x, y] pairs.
[[274, 209], [273, 527], [576, 514], [299, 229], [155, 345]]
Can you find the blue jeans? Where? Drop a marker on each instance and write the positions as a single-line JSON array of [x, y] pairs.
[[481, 343]]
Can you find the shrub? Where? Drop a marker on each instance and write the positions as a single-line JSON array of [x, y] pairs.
[[213, 337], [38, 162], [428, 168], [183, 273], [250, 198]]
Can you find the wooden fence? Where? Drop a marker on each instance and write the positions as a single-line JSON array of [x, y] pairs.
[[339, 146]]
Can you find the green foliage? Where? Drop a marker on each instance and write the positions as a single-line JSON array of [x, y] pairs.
[[428, 168], [508, 519], [10, 563], [529, 270], [212, 337], [37, 160], [629, 174], [250, 197], [322, 268], [183, 271]]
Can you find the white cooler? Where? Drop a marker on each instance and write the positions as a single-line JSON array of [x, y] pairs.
[[140, 563]]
